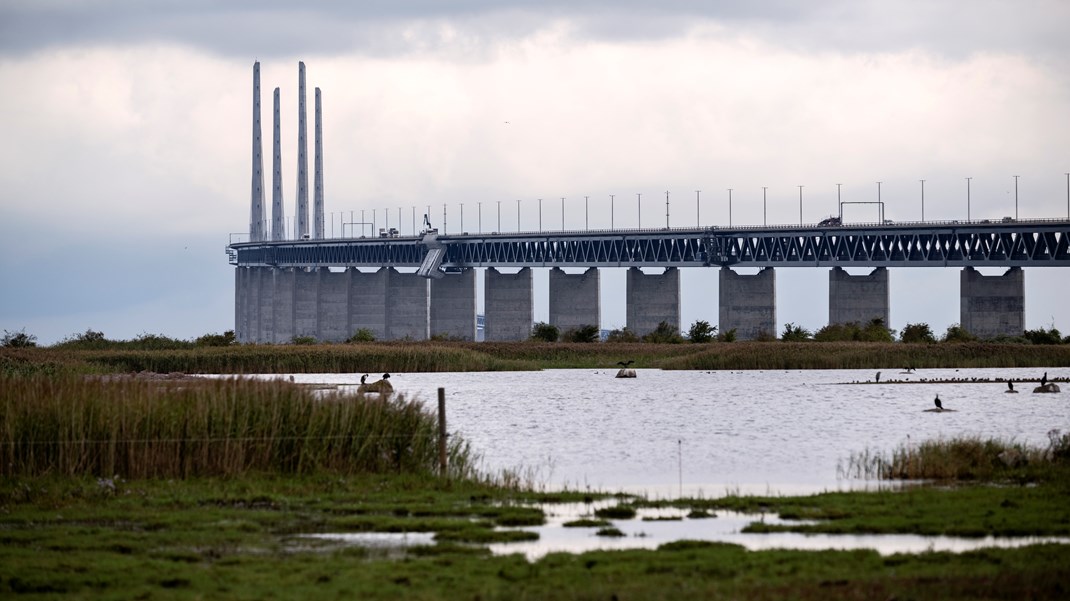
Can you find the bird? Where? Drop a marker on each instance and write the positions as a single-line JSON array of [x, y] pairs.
[[625, 363], [386, 376], [1044, 379], [878, 376], [363, 378], [1010, 386], [939, 405]]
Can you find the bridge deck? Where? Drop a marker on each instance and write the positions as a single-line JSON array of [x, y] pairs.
[[1023, 243]]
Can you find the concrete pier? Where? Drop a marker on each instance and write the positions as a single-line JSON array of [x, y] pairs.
[[652, 299], [453, 306], [574, 299], [858, 298], [367, 302], [993, 305], [306, 303], [509, 307], [747, 303], [333, 302], [406, 306]]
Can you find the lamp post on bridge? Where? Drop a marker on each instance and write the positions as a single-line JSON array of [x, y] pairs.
[[1016, 198], [800, 205], [968, 199], [611, 226], [639, 207], [922, 199], [765, 221], [518, 215], [730, 207], [562, 213], [1068, 195], [462, 218], [540, 214], [880, 207], [666, 209], [839, 204], [586, 213], [479, 221], [413, 220], [499, 216], [443, 218], [698, 212]]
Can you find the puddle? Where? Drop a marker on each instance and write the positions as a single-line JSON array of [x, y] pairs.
[[652, 528]]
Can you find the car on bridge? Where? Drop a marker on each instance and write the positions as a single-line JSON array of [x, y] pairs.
[[829, 222]]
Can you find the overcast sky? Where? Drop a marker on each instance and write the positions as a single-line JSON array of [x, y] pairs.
[[125, 161]]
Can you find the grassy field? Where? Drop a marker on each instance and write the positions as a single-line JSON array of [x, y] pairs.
[[130, 488], [461, 356]]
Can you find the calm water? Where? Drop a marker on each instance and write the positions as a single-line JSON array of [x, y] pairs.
[[752, 432]]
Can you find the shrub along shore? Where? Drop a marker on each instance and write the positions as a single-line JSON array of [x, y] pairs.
[[432, 356]]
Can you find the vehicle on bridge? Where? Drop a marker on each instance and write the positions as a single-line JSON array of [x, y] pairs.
[[829, 222]]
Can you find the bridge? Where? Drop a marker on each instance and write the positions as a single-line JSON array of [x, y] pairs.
[[329, 288], [405, 305]]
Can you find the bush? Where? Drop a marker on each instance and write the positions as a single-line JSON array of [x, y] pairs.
[[794, 333], [545, 332], [1042, 336], [622, 335], [664, 333], [18, 339], [917, 332], [225, 339], [876, 331], [362, 335], [303, 340], [89, 340], [729, 336], [957, 333], [582, 334], [701, 331]]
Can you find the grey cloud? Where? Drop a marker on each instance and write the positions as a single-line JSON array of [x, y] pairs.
[[269, 28]]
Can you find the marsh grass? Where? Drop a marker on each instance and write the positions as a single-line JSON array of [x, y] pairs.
[[75, 426], [962, 458]]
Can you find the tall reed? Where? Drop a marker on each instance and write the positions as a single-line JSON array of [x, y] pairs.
[[74, 426]]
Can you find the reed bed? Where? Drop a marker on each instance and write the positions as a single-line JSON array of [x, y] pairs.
[[963, 458], [131, 428]]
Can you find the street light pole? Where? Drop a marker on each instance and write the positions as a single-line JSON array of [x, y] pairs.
[[880, 207], [586, 213], [611, 211], [666, 209], [922, 199], [765, 221], [639, 208], [1016, 198], [462, 217], [698, 212], [479, 221], [839, 204], [499, 216], [1068, 195], [443, 218], [968, 199], [730, 207], [800, 205], [540, 214], [518, 215], [562, 213]]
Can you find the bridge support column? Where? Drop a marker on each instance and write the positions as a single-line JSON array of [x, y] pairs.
[[282, 305], [332, 306], [306, 302], [748, 303], [992, 306], [652, 299], [858, 298], [263, 330], [406, 306], [574, 299], [367, 300], [453, 305], [508, 305], [243, 301]]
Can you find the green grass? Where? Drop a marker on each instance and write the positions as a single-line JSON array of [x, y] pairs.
[[469, 356]]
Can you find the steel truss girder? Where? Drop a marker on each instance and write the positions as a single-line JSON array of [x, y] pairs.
[[1026, 244]]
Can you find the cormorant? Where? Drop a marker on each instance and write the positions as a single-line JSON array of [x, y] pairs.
[[878, 377], [1010, 386], [625, 363], [363, 378], [1044, 379], [386, 376], [939, 405]]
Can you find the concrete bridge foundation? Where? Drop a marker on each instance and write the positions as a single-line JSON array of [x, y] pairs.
[[574, 299], [994, 305], [453, 305], [508, 305], [652, 299], [406, 306], [747, 303], [858, 298], [333, 302]]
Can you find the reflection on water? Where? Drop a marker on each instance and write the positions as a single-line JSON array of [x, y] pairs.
[[752, 432]]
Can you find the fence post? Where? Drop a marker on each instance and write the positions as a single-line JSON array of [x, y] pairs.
[[442, 431]]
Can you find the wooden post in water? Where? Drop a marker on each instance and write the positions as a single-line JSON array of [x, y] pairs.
[[442, 431]]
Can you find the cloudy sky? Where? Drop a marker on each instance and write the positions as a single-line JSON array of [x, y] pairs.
[[125, 162]]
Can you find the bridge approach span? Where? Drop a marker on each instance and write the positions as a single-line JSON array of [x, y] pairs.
[[1024, 243]]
